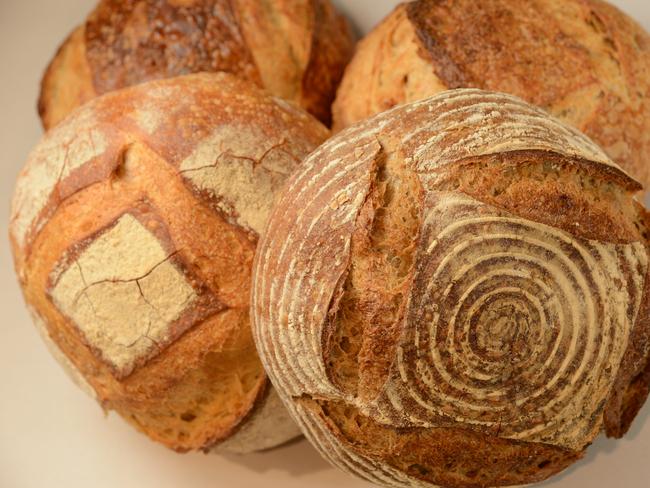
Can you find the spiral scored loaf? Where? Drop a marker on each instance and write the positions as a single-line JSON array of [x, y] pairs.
[[583, 61], [454, 293], [134, 226], [296, 49]]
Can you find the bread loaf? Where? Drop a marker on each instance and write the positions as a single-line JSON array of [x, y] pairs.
[[584, 61], [296, 49], [455, 293], [133, 228]]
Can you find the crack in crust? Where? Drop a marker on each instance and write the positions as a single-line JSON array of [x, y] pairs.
[[243, 188], [141, 282], [256, 162], [122, 254], [372, 301]]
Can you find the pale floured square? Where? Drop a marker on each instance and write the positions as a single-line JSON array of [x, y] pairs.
[[242, 170], [123, 293]]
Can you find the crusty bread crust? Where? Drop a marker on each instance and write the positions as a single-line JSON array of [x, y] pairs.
[[67, 81], [583, 61], [134, 226], [454, 294], [297, 50]]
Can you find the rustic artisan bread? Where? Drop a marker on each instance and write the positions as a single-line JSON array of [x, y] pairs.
[[455, 293], [583, 60], [134, 227], [296, 49]]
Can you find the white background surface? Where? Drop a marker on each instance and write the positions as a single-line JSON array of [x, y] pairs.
[[52, 435]]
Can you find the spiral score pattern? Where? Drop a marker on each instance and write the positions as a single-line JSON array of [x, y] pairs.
[[508, 328], [512, 325]]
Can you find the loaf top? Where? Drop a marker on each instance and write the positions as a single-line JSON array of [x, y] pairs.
[[229, 143], [218, 115], [459, 281], [295, 49], [134, 224], [583, 61]]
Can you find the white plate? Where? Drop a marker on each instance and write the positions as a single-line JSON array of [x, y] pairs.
[[52, 435]]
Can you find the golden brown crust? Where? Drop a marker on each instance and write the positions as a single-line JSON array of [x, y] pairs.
[[387, 70], [132, 41], [562, 190], [278, 34], [458, 276], [584, 61], [491, 53], [331, 49], [66, 80], [138, 258], [296, 50], [631, 390]]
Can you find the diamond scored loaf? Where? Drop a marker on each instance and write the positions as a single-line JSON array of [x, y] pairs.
[[454, 293], [583, 61], [134, 227], [296, 49]]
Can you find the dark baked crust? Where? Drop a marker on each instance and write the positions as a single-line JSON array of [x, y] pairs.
[[480, 45], [584, 61], [127, 42], [449, 457], [330, 52], [633, 383]]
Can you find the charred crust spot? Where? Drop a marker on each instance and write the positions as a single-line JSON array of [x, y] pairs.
[[188, 417]]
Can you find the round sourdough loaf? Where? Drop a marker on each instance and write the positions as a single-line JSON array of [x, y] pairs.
[[584, 61], [296, 49], [134, 226], [455, 293]]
